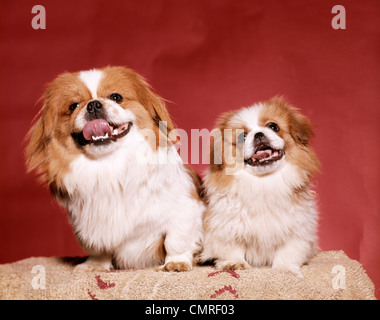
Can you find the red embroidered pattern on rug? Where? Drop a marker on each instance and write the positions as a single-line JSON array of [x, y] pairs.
[[224, 289], [231, 272], [104, 285], [92, 296]]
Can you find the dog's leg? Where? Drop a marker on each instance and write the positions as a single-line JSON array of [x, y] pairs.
[[227, 254], [179, 256], [95, 263], [231, 257], [291, 256], [180, 247]]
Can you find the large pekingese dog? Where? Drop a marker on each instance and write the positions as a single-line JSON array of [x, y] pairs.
[[102, 145]]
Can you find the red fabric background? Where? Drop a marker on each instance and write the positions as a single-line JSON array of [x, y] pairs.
[[206, 57]]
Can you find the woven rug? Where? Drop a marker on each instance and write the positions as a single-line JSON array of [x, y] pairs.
[[329, 275]]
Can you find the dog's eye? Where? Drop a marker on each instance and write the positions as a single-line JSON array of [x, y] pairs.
[[241, 137], [73, 106], [116, 97], [273, 126]]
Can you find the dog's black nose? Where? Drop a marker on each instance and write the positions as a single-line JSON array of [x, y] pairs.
[[94, 106], [259, 135]]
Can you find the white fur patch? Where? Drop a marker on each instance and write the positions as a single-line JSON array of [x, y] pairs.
[[121, 206], [255, 218], [248, 115], [91, 78]]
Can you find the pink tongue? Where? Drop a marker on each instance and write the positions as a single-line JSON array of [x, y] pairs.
[[262, 154], [96, 128]]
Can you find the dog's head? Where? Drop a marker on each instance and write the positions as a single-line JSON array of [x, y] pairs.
[[261, 138], [92, 113]]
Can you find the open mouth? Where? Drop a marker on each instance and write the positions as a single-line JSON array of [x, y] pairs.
[[264, 155], [100, 132]]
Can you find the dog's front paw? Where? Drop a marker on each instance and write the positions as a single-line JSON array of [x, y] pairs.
[[83, 267], [94, 264], [295, 269], [232, 265], [175, 266]]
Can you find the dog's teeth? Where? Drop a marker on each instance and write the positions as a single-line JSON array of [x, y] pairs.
[[100, 137]]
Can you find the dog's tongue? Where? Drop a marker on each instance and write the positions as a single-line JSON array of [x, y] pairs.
[[96, 128], [262, 154]]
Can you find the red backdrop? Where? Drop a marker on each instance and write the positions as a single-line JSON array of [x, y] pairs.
[[206, 57]]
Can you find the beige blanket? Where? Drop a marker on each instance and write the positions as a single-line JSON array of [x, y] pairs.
[[329, 275]]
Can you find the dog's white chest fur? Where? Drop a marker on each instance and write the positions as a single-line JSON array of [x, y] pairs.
[[126, 202], [257, 217]]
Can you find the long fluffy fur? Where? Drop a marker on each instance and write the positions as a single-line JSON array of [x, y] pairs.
[[132, 202], [255, 217]]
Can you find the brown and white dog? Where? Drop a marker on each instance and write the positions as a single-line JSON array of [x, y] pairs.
[[261, 207], [100, 145]]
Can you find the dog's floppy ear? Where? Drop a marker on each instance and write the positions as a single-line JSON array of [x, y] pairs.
[[301, 128], [217, 143], [154, 104], [216, 149], [37, 139], [157, 109], [35, 151]]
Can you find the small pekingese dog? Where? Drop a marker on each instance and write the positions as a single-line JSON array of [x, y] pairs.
[[102, 144], [261, 209]]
